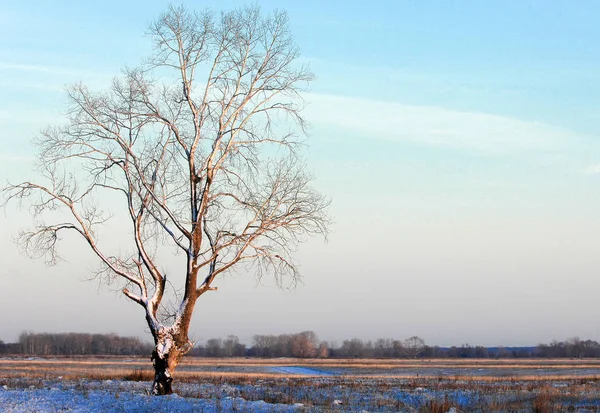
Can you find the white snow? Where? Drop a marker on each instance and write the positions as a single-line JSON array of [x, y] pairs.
[[304, 371], [82, 401]]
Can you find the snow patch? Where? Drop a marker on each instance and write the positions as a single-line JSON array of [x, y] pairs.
[[50, 401], [304, 371], [164, 346]]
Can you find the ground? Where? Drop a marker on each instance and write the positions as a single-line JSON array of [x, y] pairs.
[[289, 385]]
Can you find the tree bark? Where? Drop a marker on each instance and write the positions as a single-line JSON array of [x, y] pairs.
[[165, 358], [162, 377]]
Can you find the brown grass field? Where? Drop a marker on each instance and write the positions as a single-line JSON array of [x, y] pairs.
[[192, 368]]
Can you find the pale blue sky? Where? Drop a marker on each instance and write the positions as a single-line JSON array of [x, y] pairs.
[[459, 142]]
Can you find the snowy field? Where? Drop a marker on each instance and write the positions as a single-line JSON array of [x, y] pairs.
[[305, 387], [56, 399], [312, 395]]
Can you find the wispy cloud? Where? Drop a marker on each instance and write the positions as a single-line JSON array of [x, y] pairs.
[[52, 76], [55, 70], [431, 125], [20, 85], [13, 158], [592, 170], [29, 117]]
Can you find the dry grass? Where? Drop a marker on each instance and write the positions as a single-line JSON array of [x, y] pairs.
[[191, 368], [395, 363], [351, 363]]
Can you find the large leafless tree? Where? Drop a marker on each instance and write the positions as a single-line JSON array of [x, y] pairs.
[[198, 145]]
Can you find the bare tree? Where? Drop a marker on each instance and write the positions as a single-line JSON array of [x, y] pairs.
[[323, 350], [304, 344], [198, 145], [413, 346]]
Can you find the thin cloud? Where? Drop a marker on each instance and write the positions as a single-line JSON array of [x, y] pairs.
[[12, 158], [40, 69], [30, 116], [20, 85], [436, 126], [56, 74], [592, 170]]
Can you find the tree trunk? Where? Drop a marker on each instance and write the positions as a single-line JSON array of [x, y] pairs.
[[165, 358], [163, 377], [170, 345]]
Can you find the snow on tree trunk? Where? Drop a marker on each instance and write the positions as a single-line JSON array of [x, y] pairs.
[[163, 378], [165, 358]]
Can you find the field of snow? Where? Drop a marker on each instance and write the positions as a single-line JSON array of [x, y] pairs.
[[316, 394], [56, 400]]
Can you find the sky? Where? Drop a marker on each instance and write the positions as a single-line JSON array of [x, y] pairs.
[[458, 141]]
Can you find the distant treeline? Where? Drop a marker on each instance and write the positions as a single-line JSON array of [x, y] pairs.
[[306, 345], [302, 345], [67, 344]]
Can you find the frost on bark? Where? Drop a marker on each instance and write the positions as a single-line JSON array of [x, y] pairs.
[[165, 357], [197, 150]]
